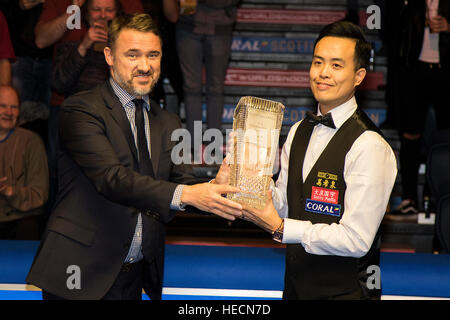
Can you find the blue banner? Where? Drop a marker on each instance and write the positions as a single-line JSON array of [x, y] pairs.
[[294, 114], [272, 45], [279, 44], [378, 116]]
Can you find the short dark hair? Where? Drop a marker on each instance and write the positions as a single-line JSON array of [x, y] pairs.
[[139, 22], [345, 29]]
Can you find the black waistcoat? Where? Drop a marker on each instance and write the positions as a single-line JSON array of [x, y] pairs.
[[320, 199]]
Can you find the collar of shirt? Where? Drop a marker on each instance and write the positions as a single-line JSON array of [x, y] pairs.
[[8, 135], [125, 98], [321, 134], [129, 108], [342, 112]]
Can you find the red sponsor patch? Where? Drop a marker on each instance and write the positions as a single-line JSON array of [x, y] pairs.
[[325, 195]]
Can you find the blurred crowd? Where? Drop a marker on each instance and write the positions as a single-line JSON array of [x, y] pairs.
[[51, 49]]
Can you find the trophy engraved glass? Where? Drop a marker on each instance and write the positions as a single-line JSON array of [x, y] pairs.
[[256, 125]]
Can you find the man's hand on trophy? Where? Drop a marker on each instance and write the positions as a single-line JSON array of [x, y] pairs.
[[208, 197], [267, 218], [223, 175]]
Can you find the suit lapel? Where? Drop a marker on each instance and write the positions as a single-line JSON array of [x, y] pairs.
[[155, 135], [118, 113]]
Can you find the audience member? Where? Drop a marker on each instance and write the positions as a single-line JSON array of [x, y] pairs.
[[23, 173], [31, 72], [80, 65], [6, 52], [204, 36], [52, 28], [52, 25], [423, 48]]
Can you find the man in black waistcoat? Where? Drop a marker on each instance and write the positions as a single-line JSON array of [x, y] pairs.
[[337, 174]]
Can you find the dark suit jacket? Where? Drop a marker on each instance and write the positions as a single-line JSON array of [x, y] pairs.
[[100, 195]]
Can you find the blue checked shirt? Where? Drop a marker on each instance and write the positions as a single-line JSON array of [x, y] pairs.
[[135, 252]]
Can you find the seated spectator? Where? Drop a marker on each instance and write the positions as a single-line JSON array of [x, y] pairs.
[[32, 70], [23, 173], [6, 52], [80, 65]]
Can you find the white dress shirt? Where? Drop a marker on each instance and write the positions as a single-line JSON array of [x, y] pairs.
[[126, 99], [370, 170]]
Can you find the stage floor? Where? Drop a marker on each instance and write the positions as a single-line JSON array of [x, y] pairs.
[[215, 272]]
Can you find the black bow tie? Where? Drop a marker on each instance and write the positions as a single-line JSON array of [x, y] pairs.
[[326, 120]]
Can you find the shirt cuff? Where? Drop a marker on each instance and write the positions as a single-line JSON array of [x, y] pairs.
[[293, 231], [275, 198], [176, 200]]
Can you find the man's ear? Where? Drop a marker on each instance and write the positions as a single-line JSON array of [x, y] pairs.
[[107, 51], [359, 76]]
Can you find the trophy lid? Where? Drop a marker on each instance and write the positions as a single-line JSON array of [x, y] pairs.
[[258, 103]]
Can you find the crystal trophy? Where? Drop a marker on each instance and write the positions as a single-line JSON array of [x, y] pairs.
[[256, 125]]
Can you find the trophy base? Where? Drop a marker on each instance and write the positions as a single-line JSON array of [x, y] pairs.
[[248, 200], [254, 191]]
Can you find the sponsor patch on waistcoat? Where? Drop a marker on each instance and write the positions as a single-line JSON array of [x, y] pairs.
[[326, 180], [323, 207], [325, 195]]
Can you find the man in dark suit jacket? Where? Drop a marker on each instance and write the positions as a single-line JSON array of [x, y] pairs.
[[105, 236]]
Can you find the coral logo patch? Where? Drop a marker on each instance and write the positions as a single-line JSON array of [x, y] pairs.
[[323, 207]]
